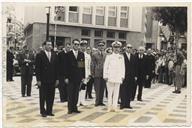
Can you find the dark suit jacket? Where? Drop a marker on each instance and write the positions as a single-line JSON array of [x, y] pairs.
[[46, 72], [26, 66], [10, 58], [75, 67], [97, 64], [150, 63], [130, 67], [62, 60], [141, 66]]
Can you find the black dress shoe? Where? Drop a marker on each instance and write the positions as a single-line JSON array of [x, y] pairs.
[[102, 104], [139, 99], [76, 111], [178, 92], [50, 114], [29, 95], [90, 97], [96, 104], [81, 105], [23, 95], [43, 115], [69, 112], [121, 107], [129, 107], [175, 91]]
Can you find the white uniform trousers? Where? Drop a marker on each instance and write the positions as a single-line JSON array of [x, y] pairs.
[[113, 94]]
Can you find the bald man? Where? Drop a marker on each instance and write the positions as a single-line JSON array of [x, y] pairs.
[[141, 71]]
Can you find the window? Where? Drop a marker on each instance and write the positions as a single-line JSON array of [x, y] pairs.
[[73, 9], [60, 13], [73, 14], [124, 12], [111, 34], [98, 33], [122, 35], [87, 10], [85, 32], [112, 11], [100, 10]]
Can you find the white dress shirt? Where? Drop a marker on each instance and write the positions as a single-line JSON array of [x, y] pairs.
[[48, 55], [75, 53]]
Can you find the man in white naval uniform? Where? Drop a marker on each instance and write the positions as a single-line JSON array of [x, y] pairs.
[[82, 92], [114, 74]]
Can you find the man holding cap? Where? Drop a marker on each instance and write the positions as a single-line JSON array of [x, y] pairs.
[[114, 74], [97, 63], [81, 100]]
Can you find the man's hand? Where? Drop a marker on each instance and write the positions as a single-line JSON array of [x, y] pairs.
[[106, 79], [67, 81], [56, 83], [147, 77], [135, 78], [39, 83]]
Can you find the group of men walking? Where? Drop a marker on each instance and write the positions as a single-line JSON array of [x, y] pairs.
[[72, 71]]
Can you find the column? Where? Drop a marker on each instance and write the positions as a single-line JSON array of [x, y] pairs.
[[66, 14], [106, 16], [93, 15], [118, 16], [130, 18]]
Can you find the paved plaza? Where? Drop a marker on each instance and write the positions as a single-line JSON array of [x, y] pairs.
[[159, 107]]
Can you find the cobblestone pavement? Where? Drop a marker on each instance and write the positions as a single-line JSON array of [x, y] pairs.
[[159, 107]]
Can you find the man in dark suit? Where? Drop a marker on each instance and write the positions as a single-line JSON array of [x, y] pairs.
[[141, 71], [62, 74], [97, 64], [151, 67], [75, 75], [26, 62], [129, 83], [47, 78], [10, 57]]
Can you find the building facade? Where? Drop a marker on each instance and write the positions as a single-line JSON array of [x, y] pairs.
[[91, 23]]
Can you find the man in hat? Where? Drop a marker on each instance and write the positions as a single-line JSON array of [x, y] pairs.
[[114, 74], [97, 63], [75, 75], [26, 62], [126, 89]]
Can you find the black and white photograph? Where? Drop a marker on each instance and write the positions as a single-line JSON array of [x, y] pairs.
[[96, 64]]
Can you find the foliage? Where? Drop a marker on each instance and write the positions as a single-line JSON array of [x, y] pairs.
[[174, 17]]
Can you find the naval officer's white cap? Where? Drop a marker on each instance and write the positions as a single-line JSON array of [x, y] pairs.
[[116, 44]]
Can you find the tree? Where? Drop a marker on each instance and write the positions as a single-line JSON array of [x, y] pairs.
[[174, 17]]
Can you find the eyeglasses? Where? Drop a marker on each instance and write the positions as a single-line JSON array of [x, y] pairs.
[[76, 44], [100, 45], [129, 47]]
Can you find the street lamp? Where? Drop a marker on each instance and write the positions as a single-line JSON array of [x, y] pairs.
[[48, 17]]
